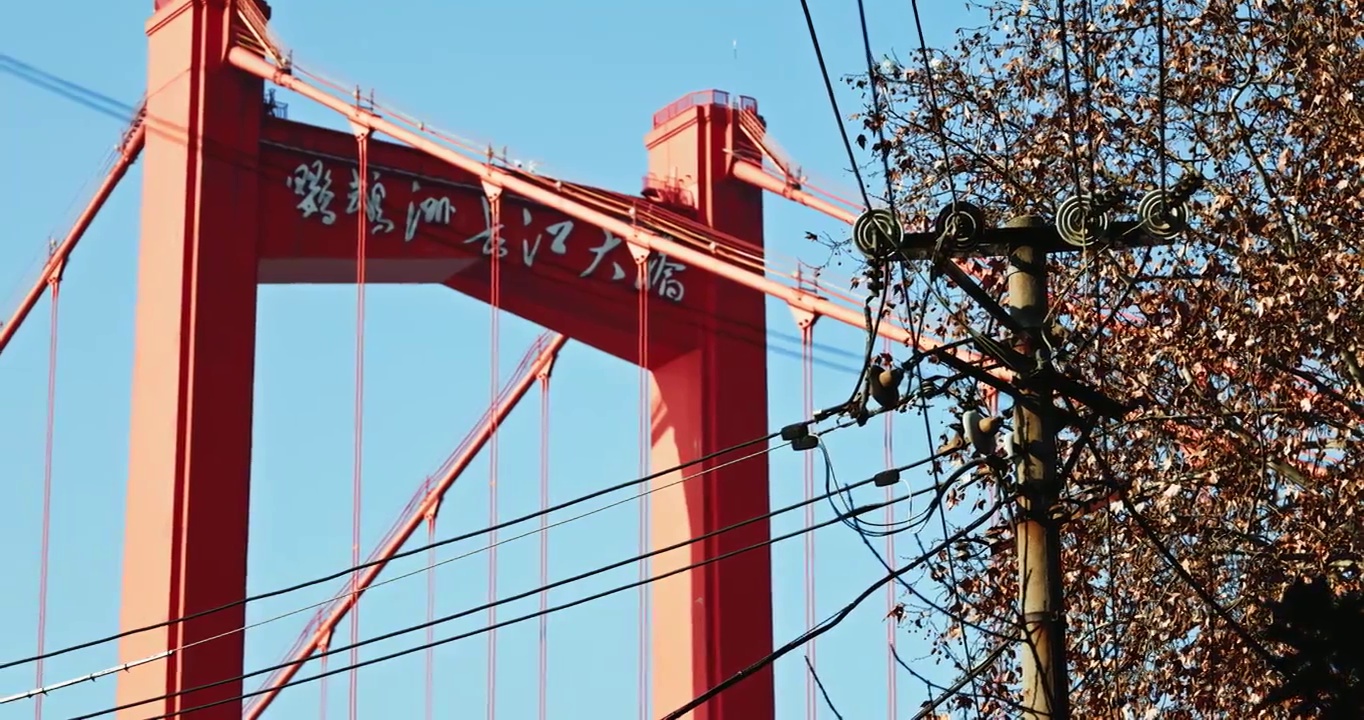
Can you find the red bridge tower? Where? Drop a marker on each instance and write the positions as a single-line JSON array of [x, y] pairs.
[[234, 197]]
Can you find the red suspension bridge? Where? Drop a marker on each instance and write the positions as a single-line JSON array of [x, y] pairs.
[[673, 280]]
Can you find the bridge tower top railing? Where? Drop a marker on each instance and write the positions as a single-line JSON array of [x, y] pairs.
[[704, 97]]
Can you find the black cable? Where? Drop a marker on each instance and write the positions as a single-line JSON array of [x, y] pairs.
[[820, 684], [931, 84], [968, 678], [833, 102], [1070, 94], [876, 106], [1087, 70], [513, 598], [1160, 89], [79, 94], [830, 622], [396, 556], [873, 322]]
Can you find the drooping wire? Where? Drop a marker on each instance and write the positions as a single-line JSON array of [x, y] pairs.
[[494, 304], [399, 555], [54, 295], [877, 106], [931, 84], [325, 642], [645, 443], [829, 623], [937, 477], [807, 331], [361, 260], [1160, 90], [828, 701], [833, 103], [520, 596], [1070, 95], [951, 691], [1089, 73], [543, 692]]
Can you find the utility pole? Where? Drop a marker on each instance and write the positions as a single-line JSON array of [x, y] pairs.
[[1038, 533], [960, 230]]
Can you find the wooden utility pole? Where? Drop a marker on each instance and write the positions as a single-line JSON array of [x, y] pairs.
[[960, 231], [1038, 534]]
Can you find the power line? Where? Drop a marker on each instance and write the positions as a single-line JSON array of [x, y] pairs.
[[833, 102], [519, 596], [963, 681], [403, 554], [832, 621], [818, 683], [46, 689]]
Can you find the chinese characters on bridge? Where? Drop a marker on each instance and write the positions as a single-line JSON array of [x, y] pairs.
[[603, 254]]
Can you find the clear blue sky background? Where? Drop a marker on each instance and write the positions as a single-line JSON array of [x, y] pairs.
[[570, 85]]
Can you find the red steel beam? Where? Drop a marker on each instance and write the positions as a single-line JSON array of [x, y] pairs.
[[132, 147], [754, 175], [512, 395], [256, 65]]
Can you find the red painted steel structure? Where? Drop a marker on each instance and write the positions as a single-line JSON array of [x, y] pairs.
[[234, 198], [535, 367]]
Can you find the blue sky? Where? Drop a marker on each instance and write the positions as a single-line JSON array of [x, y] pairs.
[[571, 86]]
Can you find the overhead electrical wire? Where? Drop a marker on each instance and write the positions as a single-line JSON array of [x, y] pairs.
[[431, 565], [530, 593], [832, 621], [833, 102], [405, 553]]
